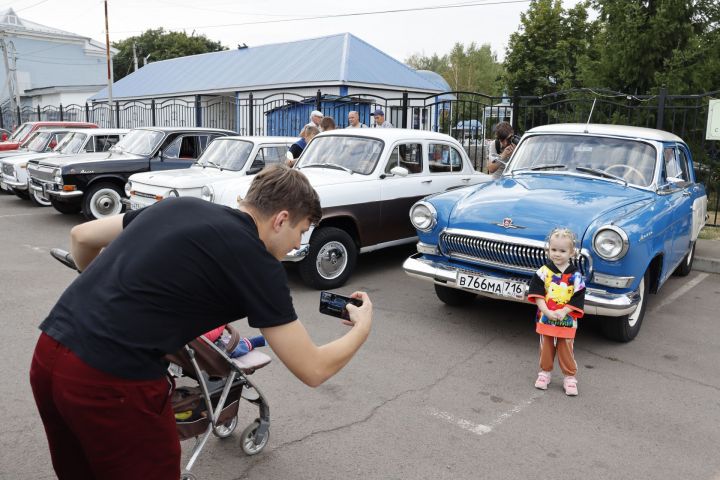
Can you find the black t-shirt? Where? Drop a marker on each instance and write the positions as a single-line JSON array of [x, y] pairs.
[[179, 269]]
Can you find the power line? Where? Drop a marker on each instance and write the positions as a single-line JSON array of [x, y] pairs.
[[356, 14]]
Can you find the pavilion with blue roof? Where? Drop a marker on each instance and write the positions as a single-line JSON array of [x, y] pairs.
[[337, 72]]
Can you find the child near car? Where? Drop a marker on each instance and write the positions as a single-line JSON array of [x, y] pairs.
[[558, 290]]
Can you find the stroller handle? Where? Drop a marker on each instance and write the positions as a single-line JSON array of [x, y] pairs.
[[64, 257]]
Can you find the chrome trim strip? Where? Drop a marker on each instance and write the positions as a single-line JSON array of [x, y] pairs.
[[64, 194]]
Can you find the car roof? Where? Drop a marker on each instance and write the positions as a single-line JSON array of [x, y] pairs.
[[185, 129], [261, 138], [613, 130], [389, 134], [97, 131]]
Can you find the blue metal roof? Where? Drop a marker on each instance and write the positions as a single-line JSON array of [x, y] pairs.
[[340, 59]]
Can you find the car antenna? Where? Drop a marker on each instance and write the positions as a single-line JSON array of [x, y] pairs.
[[590, 116]]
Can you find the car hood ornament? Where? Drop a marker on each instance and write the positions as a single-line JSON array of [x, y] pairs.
[[508, 223]]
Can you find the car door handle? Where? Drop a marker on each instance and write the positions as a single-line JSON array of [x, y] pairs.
[[426, 181], [465, 179], [686, 193]]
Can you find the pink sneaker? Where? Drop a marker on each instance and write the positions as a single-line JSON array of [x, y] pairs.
[[570, 386], [543, 380]]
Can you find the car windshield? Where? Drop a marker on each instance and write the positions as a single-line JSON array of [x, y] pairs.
[[226, 154], [631, 161], [21, 132], [356, 154], [139, 142], [39, 142], [71, 143]]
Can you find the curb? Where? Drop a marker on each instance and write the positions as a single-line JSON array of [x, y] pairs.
[[708, 265]]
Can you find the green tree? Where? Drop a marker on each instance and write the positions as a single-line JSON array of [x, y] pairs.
[[542, 56], [466, 68], [635, 39], [159, 45]]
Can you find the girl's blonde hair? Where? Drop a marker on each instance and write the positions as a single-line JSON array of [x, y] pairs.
[[563, 232]]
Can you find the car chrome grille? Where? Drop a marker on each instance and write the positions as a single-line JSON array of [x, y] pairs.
[[42, 173], [8, 169], [499, 253]]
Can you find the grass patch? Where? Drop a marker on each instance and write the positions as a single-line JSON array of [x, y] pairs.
[[710, 233]]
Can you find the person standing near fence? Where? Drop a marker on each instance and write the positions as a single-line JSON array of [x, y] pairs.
[[380, 121], [354, 120]]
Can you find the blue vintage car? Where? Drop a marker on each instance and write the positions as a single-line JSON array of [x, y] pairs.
[[629, 194]]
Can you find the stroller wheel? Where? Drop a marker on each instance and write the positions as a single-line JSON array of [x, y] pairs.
[[225, 430], [248, 439], [187, 476]]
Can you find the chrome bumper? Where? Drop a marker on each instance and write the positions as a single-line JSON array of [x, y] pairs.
[[297, 255], [15, 184], [597, 302], [55, 193]]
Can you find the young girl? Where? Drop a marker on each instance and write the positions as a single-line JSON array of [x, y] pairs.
[[558, 290]]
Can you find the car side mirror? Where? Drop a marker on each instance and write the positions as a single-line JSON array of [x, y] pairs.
[[674, 180], [256, 166], [400, 171]]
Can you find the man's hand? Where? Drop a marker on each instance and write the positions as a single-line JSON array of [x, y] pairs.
[[507, 151], [360, 317]]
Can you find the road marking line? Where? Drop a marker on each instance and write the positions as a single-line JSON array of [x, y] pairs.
[[18, 215], [681, 291], [479, 428]]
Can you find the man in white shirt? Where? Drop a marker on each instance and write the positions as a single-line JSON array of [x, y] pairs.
[[354, 120], [380, 121], [315, 117]]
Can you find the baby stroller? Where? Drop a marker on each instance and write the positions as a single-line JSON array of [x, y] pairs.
[[211, 405]]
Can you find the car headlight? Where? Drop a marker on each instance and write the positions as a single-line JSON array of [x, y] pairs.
[[172, 193], [207, 193], [57, 175], [128, 189], [610, 242], [423, 216]]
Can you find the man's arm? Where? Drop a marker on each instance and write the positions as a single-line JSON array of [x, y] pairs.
[[88, 239], [310, 363]]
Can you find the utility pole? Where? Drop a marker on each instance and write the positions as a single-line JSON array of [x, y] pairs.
[[135, 59], [109, 67], [11, 75]]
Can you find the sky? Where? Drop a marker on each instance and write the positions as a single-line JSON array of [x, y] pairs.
[[404, 27]]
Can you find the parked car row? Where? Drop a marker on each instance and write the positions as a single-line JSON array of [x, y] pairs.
[[629, 194]]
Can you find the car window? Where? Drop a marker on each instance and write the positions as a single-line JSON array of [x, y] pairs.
[[227, 154], [443, 158], [632, 160], [55, 140], [406, 155], [184, 146], [272, 154], [683, 164], [102, 143], [39, 142], [359, 154], [21, 132], [671, 164], [140, 142], [72, 142]]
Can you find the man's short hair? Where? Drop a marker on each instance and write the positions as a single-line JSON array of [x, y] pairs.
[[503, 130], [327, 123], [278, 188]]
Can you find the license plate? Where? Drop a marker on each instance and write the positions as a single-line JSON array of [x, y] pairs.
[[135, 206], [481, 283]]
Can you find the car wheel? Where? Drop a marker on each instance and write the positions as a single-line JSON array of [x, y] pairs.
[[625, 328], [38, 200], [331, 259], [102, 200], [453, 296], [686, 265], [66, 207]]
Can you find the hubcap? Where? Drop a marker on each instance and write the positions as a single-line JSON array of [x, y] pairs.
[[105, 202], [331, 260]]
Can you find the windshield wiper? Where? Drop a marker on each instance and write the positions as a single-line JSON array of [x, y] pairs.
[[210, 162], [544, 166], [330, 165], [601, 173]]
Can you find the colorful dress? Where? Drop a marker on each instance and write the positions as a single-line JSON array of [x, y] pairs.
[[558, 289]]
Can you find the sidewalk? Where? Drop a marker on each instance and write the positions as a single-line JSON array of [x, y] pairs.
[[707, 256]]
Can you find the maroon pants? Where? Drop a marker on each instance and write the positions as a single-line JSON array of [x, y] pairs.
[[100, 426]]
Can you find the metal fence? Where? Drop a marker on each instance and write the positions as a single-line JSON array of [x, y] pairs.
[[467, 116]]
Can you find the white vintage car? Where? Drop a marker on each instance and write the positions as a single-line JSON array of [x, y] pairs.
[[69, 142], [225, 158], [367, 180]]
